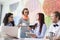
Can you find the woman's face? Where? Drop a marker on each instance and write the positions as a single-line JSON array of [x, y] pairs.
[[10, 18], [26, 12]]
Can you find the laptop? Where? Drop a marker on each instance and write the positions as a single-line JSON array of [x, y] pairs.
[[10, 31]]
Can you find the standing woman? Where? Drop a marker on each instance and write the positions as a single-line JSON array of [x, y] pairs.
[[8, 20], [24, 22], [40, 27]]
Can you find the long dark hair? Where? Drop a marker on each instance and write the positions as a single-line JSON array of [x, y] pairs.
[[41, 21], [5, 20]]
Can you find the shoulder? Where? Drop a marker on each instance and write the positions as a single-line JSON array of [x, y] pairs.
[[44, 26], [51, 26], [9, 24]]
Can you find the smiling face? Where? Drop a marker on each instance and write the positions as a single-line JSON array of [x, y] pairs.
[[10, 18], [26, 12], [54, 18]]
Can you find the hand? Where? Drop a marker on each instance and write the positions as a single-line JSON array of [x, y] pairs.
[[33, 36], [19, 26], [29, 28], [46, 38], [56, 38]]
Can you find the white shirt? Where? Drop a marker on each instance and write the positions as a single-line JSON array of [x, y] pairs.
[[55, 30]]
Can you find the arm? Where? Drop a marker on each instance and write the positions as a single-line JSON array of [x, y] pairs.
[[28, 21], [20, 22]]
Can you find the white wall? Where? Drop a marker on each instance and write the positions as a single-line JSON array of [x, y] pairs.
[[17, 12], [4, 11]]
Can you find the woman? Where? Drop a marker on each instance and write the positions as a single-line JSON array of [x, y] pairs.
[[8, 20], [24, 22], [40, 27]]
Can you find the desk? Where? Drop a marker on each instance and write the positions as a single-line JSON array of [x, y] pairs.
[[20, 39]]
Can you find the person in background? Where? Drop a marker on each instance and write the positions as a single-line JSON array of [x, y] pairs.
[[54, 29], [39, 28], [24, 22], [8, 20]]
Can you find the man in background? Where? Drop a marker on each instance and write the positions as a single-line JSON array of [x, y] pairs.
[[54, 29]]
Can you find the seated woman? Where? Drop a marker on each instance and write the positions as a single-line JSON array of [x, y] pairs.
[[8, 20], [40, 27]]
